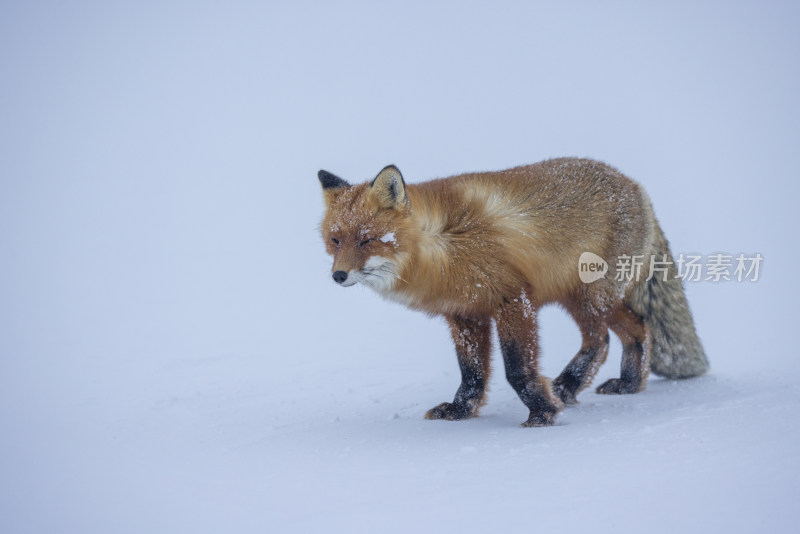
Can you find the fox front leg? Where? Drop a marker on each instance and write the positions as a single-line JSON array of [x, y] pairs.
[[472, 338], [516, 328]]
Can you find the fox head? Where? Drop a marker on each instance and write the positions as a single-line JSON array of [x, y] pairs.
[[364, 228]]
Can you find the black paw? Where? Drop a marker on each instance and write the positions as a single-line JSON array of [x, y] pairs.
[[547, 418], [450, 412], [563, 392], [617, 386]]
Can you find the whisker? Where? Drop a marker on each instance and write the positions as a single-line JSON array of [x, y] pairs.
[[391, 271]]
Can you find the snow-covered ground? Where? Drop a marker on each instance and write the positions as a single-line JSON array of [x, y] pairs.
[[175, 358]]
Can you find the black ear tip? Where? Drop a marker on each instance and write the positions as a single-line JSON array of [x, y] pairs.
[[394, 168], [329, 180]]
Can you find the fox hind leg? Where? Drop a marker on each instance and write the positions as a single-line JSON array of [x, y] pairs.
[[581, 370], [473, 341], [635, 336]]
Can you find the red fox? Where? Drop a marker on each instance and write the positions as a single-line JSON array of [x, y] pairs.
[[496, 246]]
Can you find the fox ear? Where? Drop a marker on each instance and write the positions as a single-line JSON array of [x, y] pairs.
[[389, 188], [330, 181]]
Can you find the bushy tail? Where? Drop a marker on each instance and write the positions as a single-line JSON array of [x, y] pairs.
[[676, 349]]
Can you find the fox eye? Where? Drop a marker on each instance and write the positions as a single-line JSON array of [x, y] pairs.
[[335, 241], [366, 241]]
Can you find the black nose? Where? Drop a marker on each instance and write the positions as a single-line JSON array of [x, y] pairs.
[[340, 276]]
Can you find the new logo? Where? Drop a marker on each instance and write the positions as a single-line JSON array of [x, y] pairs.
[[591, 267]]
